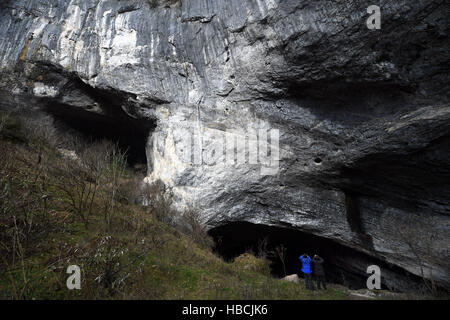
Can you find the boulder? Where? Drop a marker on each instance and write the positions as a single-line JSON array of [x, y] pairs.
[[292, 278]]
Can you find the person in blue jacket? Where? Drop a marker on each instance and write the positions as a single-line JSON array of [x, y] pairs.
[[306, 269]]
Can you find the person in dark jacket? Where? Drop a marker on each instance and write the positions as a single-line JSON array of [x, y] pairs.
[[306, 269], [319, 271]]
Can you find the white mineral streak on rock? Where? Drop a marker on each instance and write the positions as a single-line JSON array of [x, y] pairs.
[[41, 23], [123, 47], [71, 26], [105, 31]]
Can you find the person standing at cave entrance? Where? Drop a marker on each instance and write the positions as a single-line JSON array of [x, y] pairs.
[[306, 269], [319, 272]]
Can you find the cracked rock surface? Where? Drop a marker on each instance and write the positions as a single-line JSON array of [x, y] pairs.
[[362, 115]]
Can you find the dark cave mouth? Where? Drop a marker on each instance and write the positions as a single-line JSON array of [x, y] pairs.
[[130, 136], [128, 133], [116, 121], [343, 265]]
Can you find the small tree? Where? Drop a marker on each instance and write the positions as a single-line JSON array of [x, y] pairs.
[[80, 179], [422, 244], [195, 229], [159, 201], [422, 253], [281, 252], [263, 252], [114, 175], [3, 120]]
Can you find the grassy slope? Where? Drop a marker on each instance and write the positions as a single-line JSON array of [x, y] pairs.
[[135, 256]]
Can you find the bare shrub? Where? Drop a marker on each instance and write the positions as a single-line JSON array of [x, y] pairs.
[[12, 128], [422, 251], [24, 217], [114, 176], [130, 190], [80, 179], [192, 226], [42, 128], [281, 252], [3, 120], [159, 201], [262, 250], [107, 262]]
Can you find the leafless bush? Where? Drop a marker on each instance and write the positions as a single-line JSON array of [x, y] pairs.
[[43, 128], [80, 179], [114, 176], [11, 127], [159, 201], [422, 250], [192, 226], [130, 190], [107, 261], [281, 252], [422, 244], [21, 197], [262, 250], [23, 218], [3, 120]]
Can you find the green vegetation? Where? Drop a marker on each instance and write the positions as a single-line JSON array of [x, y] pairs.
[[57, 209]]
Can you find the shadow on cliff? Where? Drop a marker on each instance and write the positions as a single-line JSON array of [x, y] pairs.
[[96, 113], [343, 264]]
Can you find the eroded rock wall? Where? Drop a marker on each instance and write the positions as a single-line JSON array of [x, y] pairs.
[[362, 115]]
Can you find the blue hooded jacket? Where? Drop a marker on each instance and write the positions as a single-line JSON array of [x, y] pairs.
[[306, 264]]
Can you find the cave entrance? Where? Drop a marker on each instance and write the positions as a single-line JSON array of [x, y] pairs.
[[99, 114], [343, 265], [129, 134]]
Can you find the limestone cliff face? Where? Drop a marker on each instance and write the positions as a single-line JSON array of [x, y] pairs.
[[362, 115]]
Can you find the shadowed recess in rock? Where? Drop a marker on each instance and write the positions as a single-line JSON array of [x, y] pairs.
[[130, 136], [343, 265], [102, 117], [353, 214]]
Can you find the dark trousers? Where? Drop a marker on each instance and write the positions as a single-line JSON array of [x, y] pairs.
[[308, 281], [321, 280]]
